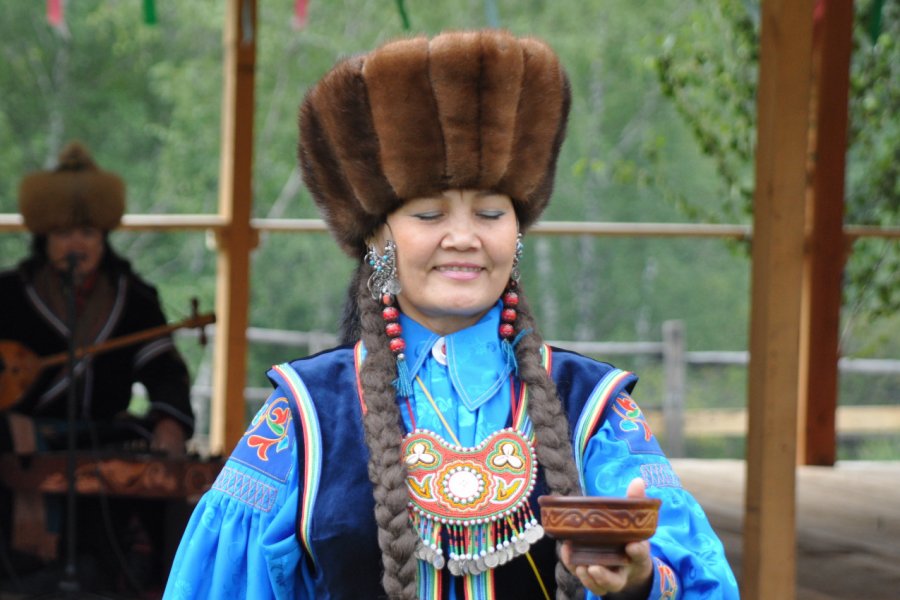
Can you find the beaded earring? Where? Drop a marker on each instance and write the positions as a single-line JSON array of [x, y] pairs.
[[384, 286], [509, 313], [383, 279]]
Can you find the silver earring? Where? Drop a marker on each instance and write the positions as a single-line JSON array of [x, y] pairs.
[[383, 279], [520, 247]]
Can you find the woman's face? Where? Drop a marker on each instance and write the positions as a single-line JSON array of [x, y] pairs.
[[86, 243], [454, 255]]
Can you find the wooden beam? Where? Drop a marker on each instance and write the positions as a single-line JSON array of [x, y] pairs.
[[827, 248], [236, 239], [769, 569]]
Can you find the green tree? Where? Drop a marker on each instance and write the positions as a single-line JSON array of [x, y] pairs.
[[708, 67]]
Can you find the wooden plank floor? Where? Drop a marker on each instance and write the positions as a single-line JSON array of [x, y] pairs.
[[848, 524]]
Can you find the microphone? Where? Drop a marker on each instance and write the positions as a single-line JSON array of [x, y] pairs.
[[72, 258]]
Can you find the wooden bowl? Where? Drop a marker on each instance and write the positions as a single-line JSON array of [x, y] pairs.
[[598, 528]]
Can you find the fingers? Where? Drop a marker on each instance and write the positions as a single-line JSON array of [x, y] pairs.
[[599, 579], [602, 580], [638, 552], [636, 488], [168, 437]]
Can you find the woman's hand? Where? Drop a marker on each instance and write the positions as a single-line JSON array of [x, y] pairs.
[[632, 579], [169, 437]]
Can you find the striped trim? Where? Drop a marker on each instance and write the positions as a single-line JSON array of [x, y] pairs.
[[591, 414], [429, 583], [359, 354], [521, 422], [172, 412], [481, 586], [312, 446], [85, 362], [45, 311], [151, 350]]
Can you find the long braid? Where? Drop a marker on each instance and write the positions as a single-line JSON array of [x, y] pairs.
[[554, 446], [396, 537]]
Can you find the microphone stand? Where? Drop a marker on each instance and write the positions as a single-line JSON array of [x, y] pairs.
[[69, 586]]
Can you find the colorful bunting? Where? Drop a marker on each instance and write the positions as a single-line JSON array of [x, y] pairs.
[[55, 13], [875, 20], [300, 14], [491, 14], [150, 12], [403, 16]]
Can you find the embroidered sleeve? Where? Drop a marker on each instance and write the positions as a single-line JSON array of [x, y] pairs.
[[241, 540], [689, 560], [266, 446], [665, 582]]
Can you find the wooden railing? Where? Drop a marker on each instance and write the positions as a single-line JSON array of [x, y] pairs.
[[10, 222], [669, 416]]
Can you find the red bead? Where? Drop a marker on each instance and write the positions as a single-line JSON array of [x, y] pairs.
[[387, 300], [508, 315], [393, 329], [397, 345], [506, 331], [390, 313], [510, 299]]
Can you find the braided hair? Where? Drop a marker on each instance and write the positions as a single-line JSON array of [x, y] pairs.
[[382, 424], [387, 471]]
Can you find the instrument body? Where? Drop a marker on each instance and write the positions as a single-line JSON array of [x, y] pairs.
[[120, 474], [20, 367], [123, 314]]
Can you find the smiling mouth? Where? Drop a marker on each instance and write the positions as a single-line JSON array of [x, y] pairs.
[[459, 269]]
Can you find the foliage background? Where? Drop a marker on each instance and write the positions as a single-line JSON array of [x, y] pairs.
[[146, 99]]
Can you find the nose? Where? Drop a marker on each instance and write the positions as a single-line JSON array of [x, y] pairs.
[[461, 232]]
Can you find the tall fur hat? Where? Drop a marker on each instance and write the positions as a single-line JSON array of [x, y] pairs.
[[74, 194], [481, 110]]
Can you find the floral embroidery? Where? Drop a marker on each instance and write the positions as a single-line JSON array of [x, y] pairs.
[[632, 417], [275, 433], [668, 584]]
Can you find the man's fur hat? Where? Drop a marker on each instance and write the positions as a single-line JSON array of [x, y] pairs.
[[479, 110], [75, 194]]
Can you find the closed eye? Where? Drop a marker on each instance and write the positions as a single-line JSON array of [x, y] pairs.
[[491, 214], [428, 216]]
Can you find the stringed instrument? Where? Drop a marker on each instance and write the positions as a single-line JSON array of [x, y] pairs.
[[19, 366]]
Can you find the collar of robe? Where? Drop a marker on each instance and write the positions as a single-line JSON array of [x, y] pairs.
[[475, 362]]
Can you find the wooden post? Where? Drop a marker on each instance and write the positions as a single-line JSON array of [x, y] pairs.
[[827, 247], [769, 556], [236, 239], [675, 366]]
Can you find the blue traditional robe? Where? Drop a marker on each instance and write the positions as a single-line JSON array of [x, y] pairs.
[[291, 514]]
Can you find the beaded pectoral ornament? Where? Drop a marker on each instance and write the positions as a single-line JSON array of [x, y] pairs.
[[472, 501]]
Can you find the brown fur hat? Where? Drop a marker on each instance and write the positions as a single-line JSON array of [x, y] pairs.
[[480, 110], [75, 194]]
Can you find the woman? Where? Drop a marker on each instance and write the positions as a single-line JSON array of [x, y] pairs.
[[408, 461]]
